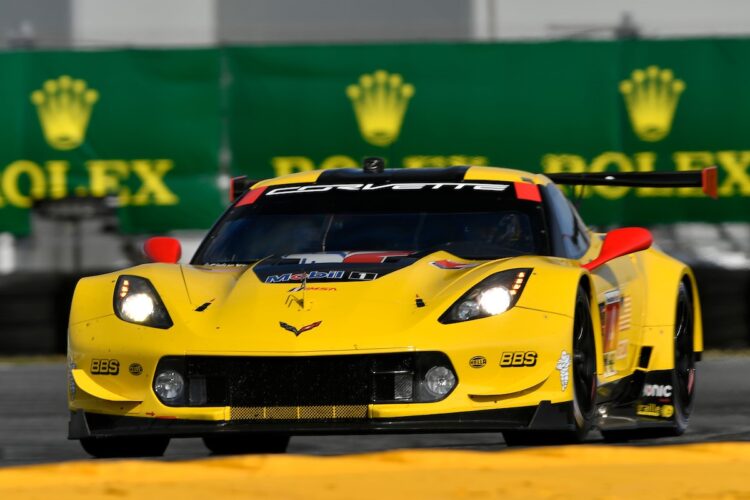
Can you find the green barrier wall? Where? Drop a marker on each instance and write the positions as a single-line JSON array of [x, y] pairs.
[[144, 125], [148, 125]]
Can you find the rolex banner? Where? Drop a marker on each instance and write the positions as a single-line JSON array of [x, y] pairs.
[[141, 125], [544, 107], [149, 125]]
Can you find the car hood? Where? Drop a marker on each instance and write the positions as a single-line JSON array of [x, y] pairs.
[[273, 308]]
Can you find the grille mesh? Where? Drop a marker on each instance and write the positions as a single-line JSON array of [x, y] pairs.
[[339, 412], [307, 382]]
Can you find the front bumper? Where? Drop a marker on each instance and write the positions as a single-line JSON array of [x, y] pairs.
[[545, 416]]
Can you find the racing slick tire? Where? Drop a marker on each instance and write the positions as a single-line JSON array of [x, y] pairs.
[[683, 377], [246, 444], [125, 447], [584, 384]]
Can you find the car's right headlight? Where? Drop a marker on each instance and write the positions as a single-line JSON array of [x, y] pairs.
[[136, 301]]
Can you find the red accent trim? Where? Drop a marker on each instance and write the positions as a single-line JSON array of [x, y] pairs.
[[251, 196], [710, 181], [621, 242], [526, 191], [452, 264], [372, 257], [163, 249], [309, 327]]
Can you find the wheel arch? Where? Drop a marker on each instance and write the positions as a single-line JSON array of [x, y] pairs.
[[662, 277]]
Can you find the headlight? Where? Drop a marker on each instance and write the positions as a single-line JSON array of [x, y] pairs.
[[439, 381], [136, 301], [492, 296], [169, 386]]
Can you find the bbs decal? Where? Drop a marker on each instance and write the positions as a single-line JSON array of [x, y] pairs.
[[105, 367], [512, 359]]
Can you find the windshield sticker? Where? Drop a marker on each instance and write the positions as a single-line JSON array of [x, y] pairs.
[[401, 186], [451, 264]]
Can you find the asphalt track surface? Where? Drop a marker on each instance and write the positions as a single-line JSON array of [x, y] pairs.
[[33, 419]]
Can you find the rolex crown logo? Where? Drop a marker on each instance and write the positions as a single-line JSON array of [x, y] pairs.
[[64, 107], [380, 102], [651, 96]]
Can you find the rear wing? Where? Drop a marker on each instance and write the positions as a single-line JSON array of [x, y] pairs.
[[706, 179]]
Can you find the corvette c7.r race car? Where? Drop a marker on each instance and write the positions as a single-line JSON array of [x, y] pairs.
[[373, 300]]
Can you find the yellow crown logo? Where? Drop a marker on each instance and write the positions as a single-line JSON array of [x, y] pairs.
[[380, 102], [64, 108], [651, 96]]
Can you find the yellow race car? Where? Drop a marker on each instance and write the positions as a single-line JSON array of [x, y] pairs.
[[375, 300]]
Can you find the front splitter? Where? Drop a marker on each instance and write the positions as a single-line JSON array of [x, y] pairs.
[[545, 416]]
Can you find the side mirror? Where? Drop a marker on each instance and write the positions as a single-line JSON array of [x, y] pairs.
[[163, 249], [621, 242]]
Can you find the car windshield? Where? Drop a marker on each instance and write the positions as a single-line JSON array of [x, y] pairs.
[[469, 223]]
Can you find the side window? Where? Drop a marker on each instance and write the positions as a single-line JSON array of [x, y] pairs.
[[569, 237]]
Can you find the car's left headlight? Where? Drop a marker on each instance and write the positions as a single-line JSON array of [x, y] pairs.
[[492, 296], [136, 301]]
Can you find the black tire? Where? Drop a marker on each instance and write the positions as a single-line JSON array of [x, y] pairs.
[[683, 377], [241, 444], [125, 447], [584, 379]]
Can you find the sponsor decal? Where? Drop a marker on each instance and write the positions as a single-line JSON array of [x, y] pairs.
[[610, 320], [312, 275], [657, 391], [135, 369], [655, 410], [622, 349], [563, 366], [452, 264], [518, 358], [312, 288], [402, 186], [478, 362], [317, 258], [105, 367], [344, 257], [360, 276], [298, 332]]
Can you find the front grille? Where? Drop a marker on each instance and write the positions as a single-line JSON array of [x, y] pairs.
[[302, 387], [342, 412]]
